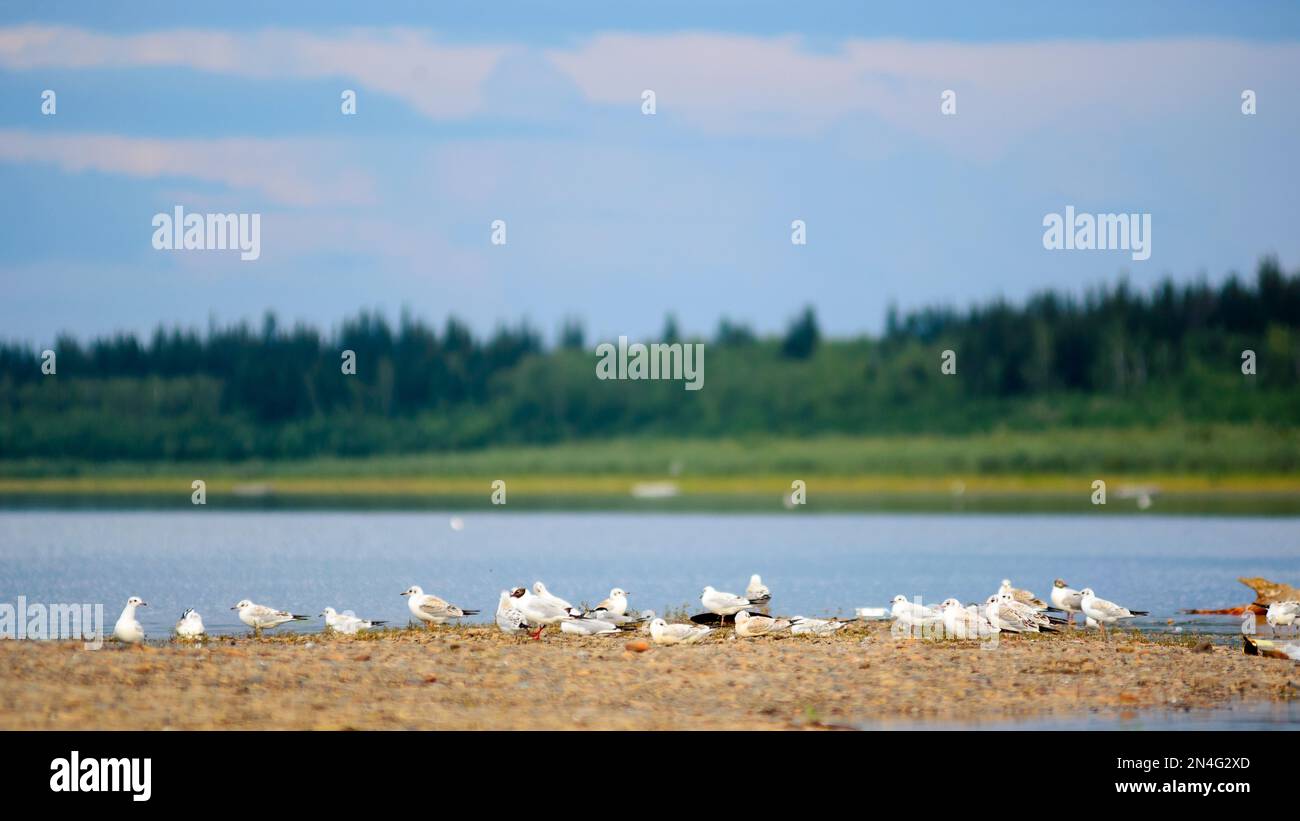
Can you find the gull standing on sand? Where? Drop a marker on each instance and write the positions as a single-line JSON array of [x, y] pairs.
[[1022, 596], [961, 623], [540, 591], [801, 626], [757, 592], [347, 622], [1282, 613], [662, 632], [755, 625], [1104, 612], [914, 614], [538, 611], [128, 628], [432, 610], [190, 625], [260, 617], [509, 620], [1066, 598], [723, 604]]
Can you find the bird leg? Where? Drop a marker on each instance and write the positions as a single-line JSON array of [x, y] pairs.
[[538, 635]]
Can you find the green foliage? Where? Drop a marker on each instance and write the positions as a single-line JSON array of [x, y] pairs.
[[1113, 359]]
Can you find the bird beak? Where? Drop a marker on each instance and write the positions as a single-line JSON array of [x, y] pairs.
[[144, 604], [236, 607]]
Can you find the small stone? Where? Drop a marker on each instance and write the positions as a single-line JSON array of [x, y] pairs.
[[637, 646]]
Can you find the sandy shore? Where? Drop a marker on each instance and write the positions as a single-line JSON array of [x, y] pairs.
[[476, 678]]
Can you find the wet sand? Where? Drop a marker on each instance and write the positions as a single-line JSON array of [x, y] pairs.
[[476, 678]]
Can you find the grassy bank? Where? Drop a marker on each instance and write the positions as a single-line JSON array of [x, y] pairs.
[[1188, 469], [1190, 451]]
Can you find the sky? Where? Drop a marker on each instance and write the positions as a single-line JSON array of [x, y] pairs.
[[532, 113]]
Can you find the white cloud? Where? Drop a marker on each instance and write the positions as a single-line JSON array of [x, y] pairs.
[[290, 171], [741, 85], [440, 81]]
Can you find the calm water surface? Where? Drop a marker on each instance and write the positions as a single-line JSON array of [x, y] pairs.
[[815, 564]]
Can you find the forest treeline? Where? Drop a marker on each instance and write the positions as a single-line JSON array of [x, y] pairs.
[[1112, 357]]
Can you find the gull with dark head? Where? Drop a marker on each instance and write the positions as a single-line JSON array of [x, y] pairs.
[[509, 618], [190, 625], [538, 611], [1067, 599]]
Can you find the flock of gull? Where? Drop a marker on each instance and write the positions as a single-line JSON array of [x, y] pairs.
[[524, 611]]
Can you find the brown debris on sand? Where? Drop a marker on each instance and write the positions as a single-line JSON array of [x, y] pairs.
[[1266, 592]]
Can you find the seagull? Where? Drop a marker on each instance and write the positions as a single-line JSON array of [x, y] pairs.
[[757, 592], [260, 617], [801, 626], [509, 620], [540, 591], [431, 609], [614, 609], [588, 627], [960, 623], [1282, 613], [913, 614], [723, 604], [615, 604], [1010, 616], [1022, 596], [128, 629], [752, 626], [538, 611], [663, 633], [1042, 618], [1104, 612], [347, 622], [190, 625], [1066, 598]]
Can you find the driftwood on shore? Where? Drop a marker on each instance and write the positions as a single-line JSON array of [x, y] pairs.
[[1266, 592]]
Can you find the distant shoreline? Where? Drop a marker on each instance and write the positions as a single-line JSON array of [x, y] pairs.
[[1149, 493]]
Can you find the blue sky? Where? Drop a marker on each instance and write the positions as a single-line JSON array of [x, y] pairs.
[[531, 113]]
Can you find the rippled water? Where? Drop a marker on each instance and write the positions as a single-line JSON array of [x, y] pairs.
[[815, 564]]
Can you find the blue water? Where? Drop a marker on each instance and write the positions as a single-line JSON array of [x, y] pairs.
[[815, 564]]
